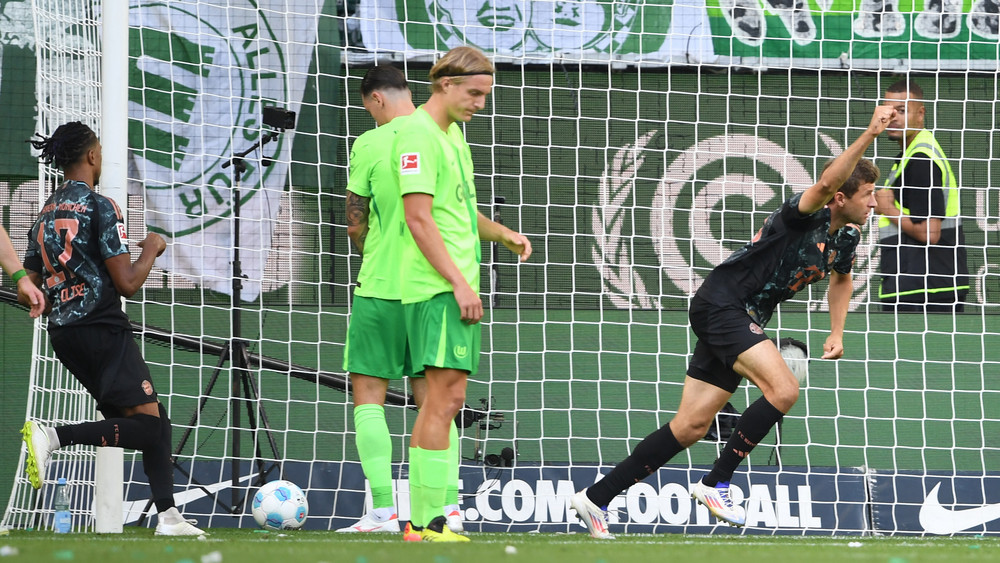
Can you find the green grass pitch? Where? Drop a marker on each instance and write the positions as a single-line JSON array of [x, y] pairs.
[[246, 546]]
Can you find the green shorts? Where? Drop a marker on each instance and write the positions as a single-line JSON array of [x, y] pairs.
[[376, 339], [438, 336]]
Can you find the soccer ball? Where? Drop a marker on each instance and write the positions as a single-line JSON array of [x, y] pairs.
[[280, 505], [796, 355]]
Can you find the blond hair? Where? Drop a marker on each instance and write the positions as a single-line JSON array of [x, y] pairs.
[[458, 64]]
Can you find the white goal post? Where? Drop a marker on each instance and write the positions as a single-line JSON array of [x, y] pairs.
[[637, 144]]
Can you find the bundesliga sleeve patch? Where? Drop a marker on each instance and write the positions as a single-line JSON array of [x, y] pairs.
[[409, 163], [122, 236]]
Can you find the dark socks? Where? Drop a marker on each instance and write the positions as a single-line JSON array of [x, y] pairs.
[[753, 426], [143, 432], [647, 457], [135, 432], [158, 465]]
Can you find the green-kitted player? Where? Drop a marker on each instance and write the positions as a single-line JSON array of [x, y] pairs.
[[440, 281], [376, 351]]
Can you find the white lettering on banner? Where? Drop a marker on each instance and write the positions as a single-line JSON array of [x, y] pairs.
[[514, 491], [760, 509], [487, 512], [553, 505], [806, 518], [784, 508], [668, 494], [547, 501], [638, 495]]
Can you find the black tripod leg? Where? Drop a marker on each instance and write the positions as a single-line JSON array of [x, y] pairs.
[[255, 410], [236, 375], [252, 413], [223, 356]]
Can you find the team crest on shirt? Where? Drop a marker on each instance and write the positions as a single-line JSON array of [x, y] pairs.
[[409, 163], [147, 387], [755, 328]]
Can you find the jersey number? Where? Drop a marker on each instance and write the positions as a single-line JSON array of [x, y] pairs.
[[806, 277], [67, 228]]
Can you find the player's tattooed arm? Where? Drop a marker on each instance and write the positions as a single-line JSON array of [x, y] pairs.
[[357, 219]]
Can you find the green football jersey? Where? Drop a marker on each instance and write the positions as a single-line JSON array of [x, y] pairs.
[[431, 161], [372, 176]]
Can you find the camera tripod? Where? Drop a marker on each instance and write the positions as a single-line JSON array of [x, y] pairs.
[[243, 386]]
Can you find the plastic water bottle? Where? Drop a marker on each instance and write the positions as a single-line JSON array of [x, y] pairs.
[[63, 522]]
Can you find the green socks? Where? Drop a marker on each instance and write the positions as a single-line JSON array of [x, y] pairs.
[[433, 474], [429, 475], [416, 489], [455, 457], [375, 450]]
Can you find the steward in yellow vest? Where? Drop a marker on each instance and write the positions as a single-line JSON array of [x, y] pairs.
[[923, 257]]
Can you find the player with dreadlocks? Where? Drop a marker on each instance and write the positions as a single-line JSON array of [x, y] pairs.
[[78, 254]]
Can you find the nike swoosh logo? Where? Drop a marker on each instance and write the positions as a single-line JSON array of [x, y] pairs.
[[937, 519], [133, 509]]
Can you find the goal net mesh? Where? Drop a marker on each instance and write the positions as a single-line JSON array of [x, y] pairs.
[[637, 144]]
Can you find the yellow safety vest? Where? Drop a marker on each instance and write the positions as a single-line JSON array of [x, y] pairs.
[[924, 143]]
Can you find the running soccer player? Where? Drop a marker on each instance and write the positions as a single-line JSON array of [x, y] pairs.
[[812, 234], [376, 351], [440, 270], [78, 254]]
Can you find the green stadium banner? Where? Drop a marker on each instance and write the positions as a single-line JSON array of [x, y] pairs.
[[622, 30], [198, 82], [17, 89], [843, 34], [858, 34]]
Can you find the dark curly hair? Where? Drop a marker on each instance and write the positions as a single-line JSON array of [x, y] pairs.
[[66, 146]]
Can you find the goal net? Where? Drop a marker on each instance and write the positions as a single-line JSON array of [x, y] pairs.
[[637, 144]]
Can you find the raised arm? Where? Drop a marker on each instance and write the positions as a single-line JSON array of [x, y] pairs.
[[817, 196]]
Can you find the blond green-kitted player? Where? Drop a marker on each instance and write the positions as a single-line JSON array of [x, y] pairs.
[[376, 351], [440, 281]]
